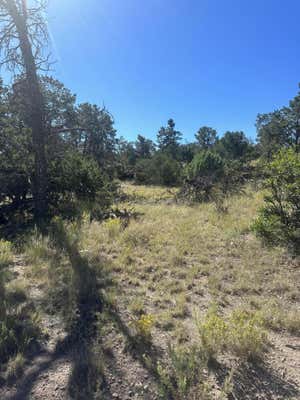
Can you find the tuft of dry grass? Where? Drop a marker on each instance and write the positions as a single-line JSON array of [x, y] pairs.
[[6, 253], [15, 367]]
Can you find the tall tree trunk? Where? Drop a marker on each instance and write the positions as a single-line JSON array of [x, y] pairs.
[[36, 114]]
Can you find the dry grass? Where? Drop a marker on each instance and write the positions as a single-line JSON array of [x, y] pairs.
[[171, 263], [15, 367], [148, 194], [173, 248], [6, 254], [181, 258]]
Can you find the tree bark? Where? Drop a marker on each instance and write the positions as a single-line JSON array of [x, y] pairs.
[[36, 114]]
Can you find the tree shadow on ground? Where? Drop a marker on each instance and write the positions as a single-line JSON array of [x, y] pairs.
[[77, 345], [83, 346], [87, 375], [25, 386], [253, 380]]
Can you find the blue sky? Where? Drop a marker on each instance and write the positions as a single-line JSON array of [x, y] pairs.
[[201, 62]]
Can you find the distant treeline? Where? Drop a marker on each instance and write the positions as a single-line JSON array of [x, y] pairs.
[[58, 157], [84, 153]]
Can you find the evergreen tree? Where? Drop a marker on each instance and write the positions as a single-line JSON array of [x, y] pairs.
[[97, 134], [168, 139], [280, 128], [233, 145], [206, 137], [144, 147]]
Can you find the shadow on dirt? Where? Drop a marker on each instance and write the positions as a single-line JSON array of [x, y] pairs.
[[83, 343]]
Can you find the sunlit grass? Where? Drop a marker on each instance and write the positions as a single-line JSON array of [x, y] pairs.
[[142, 193], [175, 258], [173, 249], [168, 265]]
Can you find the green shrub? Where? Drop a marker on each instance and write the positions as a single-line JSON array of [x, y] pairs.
[[201, 175], [184, 374], [234, 145], [210, 177], [241, 334], [77, 184], [169, 171], [213, 331], [247, 338], [278, 222], [161, 169], [145, 172]]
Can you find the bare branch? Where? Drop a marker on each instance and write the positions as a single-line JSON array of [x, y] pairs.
[[10, 50], [58, 129]]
